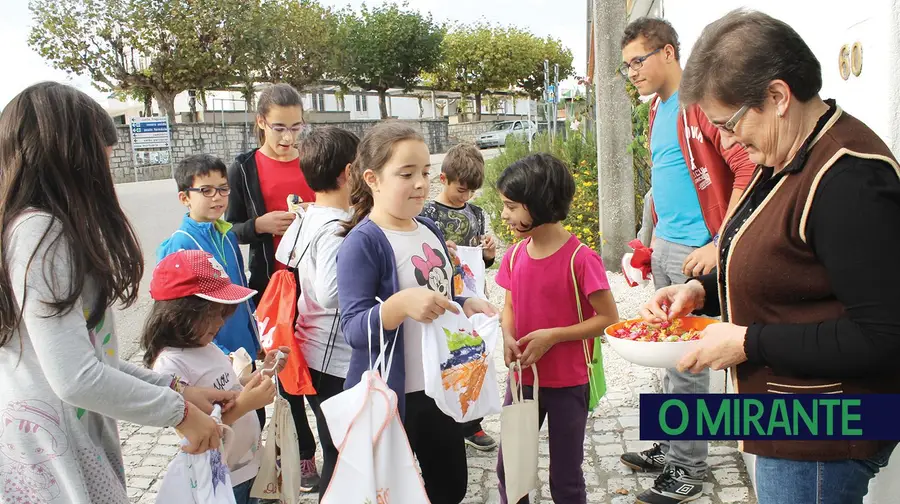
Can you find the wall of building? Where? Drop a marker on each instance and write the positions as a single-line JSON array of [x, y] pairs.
[[232, 139]]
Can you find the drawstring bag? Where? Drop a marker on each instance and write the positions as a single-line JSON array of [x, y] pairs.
[[519, 426], [275, 318], [457, 353], [375, 462], [469, 274], [279, 468], [199, 479], [593, 357]]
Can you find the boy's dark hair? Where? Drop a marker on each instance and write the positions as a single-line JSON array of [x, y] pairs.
[[658, 32], [543, 184], [198, 165], [464, 164], [325, 154], [177, 324]]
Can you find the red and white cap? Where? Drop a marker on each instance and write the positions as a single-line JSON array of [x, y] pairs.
[[195, 273]]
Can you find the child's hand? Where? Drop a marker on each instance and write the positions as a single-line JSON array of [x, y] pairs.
[[489, 247], [475, 305], [205, 398], [536, 344], [258, 393], [270, 365], [423, 305], [451, 247], [511, 352]]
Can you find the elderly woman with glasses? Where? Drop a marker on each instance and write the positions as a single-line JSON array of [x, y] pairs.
[[804, 282]]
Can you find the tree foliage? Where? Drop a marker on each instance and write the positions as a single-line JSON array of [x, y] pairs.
[[161, 46], [387, 47], [557, 54]]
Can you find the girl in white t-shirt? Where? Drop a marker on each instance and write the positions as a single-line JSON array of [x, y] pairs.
[[193, 297]]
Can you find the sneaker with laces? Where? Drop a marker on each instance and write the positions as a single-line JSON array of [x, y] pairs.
[[309, 476], [481, 441], [652, 460], [673, 486]]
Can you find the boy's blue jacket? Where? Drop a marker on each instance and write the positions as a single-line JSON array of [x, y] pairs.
[[240, 329]]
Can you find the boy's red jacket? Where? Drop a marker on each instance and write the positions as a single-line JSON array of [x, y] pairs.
[[716, 171]]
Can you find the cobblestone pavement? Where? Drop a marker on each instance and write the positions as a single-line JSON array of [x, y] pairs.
[[612, 428]]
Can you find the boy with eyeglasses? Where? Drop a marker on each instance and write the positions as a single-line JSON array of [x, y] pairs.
[[696, 183], [203, 188]]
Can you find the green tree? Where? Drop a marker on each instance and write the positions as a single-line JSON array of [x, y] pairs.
[[482, 57], [163, 47], [387, 47], [545, 49]]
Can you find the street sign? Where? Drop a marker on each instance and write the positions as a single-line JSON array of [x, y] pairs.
[[150, 133]]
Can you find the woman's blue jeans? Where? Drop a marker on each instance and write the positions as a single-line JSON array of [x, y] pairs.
[[781, 481]]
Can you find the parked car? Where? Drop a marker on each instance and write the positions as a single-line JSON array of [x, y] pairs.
[[497, 135]]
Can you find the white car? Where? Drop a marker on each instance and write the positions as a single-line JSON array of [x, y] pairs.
[[497, 135]]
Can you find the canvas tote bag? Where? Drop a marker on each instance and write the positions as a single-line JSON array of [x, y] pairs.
[[519, 426]]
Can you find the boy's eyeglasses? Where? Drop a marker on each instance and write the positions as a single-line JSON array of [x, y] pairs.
[[281, 130], [210, 191], [636, 64]]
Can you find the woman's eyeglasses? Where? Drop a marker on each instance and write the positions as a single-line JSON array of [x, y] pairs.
[[210, 191], [732, 123]]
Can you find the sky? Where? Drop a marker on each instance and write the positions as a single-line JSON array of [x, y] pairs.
[[562, 19]]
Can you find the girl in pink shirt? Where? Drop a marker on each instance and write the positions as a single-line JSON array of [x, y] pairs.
[[540, 318]]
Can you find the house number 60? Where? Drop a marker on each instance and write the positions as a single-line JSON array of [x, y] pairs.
[[850, 60]]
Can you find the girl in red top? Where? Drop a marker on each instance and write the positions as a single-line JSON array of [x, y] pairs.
[[261, 182]]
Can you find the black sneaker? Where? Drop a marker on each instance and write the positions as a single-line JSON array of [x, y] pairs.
[[652, 460], [672, 487], [481, 441]]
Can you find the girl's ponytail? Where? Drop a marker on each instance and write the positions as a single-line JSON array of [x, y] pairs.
[[375, 150]]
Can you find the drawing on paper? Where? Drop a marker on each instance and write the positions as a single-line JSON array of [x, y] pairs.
[[464, 371]]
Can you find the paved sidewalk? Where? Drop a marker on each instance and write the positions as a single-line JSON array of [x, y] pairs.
[[612, 429]]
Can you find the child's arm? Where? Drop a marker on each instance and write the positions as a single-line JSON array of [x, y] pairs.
[[538, 342], [258, 393], [325, 283], [511, 350]]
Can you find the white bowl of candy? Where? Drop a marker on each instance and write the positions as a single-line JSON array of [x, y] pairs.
[[656, 346]]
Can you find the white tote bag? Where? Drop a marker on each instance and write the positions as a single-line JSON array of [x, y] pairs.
[[469, 282], [199, 479], [457, 353], [519, 426], [375, 463], [279, 468]]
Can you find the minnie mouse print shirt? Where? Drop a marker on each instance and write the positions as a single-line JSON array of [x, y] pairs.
[[421, 262]]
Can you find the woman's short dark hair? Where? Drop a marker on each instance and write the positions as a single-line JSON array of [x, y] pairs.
[[737, 56], [658, 32], [324, 155], [543, 184]]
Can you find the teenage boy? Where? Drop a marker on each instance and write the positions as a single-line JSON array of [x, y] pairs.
[[463, 224], [696, 183]]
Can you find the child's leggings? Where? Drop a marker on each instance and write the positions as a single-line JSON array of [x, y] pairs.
[[567, 410]]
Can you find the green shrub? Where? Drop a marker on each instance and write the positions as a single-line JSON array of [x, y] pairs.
[[579, 154]]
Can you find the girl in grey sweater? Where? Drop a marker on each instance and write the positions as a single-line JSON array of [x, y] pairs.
[[68, 253]]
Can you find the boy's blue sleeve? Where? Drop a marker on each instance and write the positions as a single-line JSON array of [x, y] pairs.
[[232, 237], [359, 279], [173, 244]]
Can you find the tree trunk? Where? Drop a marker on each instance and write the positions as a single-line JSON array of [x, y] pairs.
[[615, 170], [166, 103], [477, 107], [148, 104], [382, 103]]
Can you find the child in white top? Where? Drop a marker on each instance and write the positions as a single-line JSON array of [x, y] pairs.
[[193, 297]]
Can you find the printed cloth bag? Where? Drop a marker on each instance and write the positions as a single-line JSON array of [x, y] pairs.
[[275, 317], [457, 353], [199, 479], [279, 468], [519, 426], [469, 274], [375, 463]]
